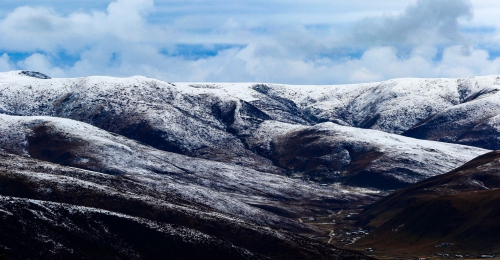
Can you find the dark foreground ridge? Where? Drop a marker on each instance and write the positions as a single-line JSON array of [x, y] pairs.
[[458, 208]]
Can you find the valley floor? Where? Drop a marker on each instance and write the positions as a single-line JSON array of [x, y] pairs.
[[339, 229]]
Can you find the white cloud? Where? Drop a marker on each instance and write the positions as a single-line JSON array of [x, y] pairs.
[[5, 64], [383, 63], [40, 28], [313, 42]]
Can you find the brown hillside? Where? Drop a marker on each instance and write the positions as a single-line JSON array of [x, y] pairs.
[[460, 207]]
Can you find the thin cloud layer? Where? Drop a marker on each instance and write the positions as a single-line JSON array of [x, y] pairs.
[[175, 42]]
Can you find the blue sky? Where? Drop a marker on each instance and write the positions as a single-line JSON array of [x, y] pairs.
[[293, 41]]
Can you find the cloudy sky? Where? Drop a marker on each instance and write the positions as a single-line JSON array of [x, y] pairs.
[[282, 41]]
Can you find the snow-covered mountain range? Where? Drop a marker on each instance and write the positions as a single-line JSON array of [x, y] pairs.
[[250, 156], [242, 124]]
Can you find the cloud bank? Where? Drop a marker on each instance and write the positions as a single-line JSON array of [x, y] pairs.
[[177, 42]]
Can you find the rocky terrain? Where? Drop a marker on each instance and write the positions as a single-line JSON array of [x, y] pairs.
[[226, 168]]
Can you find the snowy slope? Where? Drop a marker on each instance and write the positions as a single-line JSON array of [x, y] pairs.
[[358, 157], [63, 212], [392, 106], [227, 122], [476, 122], [194, 118], [227, 188], [188, 121], [224, 159], [469, 106]]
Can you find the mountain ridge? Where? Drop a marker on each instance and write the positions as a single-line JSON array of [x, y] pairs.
[[219, 121], [231, 159]]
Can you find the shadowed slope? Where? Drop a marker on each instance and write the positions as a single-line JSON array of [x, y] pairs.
[[329, 152], [459, 207]]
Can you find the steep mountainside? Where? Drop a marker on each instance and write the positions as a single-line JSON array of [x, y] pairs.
[[459, 207], [228, 188], [393, 106], [222, 122], [476, 122], [50, 211]]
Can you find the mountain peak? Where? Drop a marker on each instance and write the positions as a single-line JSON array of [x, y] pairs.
[[34, 74]]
